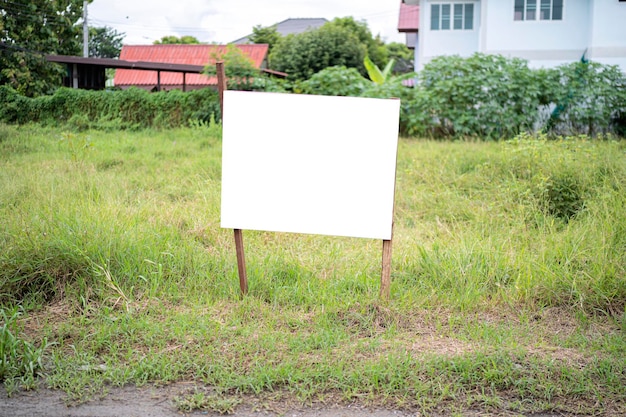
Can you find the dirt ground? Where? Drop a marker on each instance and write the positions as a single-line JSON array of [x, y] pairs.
[[151, 401], [154, 402]]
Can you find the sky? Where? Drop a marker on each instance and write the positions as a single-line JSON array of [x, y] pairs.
[[223, 21]]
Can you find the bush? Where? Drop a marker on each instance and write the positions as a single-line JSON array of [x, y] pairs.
[[124, 109], [335, 81], [588, 98], [487, 96], [561, 196]]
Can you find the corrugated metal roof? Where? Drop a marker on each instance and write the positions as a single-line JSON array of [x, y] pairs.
[[119, 63], [409, 18], [178, 54], [292, 26]]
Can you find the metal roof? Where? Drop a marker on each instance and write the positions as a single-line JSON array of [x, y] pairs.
[[409, 18], [119, 63], [291, 26], [180, 55]]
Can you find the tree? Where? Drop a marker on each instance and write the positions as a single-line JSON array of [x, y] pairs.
[[402, 55], [105, 42], [238, 67], [168, 40], [304, 54], [28, 31], [374, 45], [268, 35]]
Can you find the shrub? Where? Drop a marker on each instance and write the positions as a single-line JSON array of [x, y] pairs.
[[588, 98], [488, 96], [124, 109], [561, 196], [335, 81]]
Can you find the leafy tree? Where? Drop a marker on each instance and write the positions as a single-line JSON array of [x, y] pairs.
[[30, 29], [238, 67], [374, 45], [169, 40], [304, 54], [105, 42], [402, 55], [397, 50], [268, 35]]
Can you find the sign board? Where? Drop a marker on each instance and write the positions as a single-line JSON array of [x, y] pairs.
[[309, 164]]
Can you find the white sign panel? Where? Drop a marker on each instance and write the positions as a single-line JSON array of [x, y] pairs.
[[309, 164]]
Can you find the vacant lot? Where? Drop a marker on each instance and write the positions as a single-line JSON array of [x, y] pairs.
[[508, 292]]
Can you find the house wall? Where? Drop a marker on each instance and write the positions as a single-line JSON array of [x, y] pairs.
[[545, 43], [607, 37], [596, 28], [411, 40], [446, 42]]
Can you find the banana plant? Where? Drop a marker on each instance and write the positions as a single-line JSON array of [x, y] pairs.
[[376, 75]]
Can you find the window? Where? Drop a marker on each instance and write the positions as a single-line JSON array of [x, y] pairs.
[[538, 10], [456, 16]]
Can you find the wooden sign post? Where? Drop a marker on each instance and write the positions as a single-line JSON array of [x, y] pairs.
[[334, 178], [241, 259]]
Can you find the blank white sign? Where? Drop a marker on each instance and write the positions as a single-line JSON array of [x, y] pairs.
[[309, 164]]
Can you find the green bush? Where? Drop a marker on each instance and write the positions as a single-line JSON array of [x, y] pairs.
[[561, 196], [124, 109], [486, 96], [588, 98], [335, 81]]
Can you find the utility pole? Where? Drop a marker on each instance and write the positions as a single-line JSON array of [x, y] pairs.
[[85, 31]]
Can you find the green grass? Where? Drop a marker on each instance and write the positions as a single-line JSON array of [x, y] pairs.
[[508, 279]]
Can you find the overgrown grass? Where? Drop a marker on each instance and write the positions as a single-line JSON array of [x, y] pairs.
[[20, 361], [508, 273]]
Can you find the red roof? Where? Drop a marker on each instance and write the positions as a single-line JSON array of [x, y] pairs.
[[178, 54], [409, 20]]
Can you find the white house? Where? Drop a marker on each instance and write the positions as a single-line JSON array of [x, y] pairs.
[[547, 33]]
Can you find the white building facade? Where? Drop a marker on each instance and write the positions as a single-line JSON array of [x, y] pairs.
[[547, 33]]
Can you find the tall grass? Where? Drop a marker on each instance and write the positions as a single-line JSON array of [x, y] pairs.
[[123, 229], [475, 224]]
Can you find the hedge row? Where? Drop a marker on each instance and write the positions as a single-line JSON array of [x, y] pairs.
[[485, 96], [110, 110]]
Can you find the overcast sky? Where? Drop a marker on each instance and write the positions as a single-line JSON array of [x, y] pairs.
[[223, 21]]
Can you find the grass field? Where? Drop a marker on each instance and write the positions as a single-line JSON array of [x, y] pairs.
[[508, 279]]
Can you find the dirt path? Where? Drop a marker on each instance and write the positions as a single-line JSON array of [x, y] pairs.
[[151, 402]]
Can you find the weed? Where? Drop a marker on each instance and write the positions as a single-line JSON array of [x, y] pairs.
[[77, 146], [200, 400], [20, 361]]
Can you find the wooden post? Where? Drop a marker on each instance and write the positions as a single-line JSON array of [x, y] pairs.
[[221, 84], [241, 262], [241, 259], [385, 278], [385, 275]]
